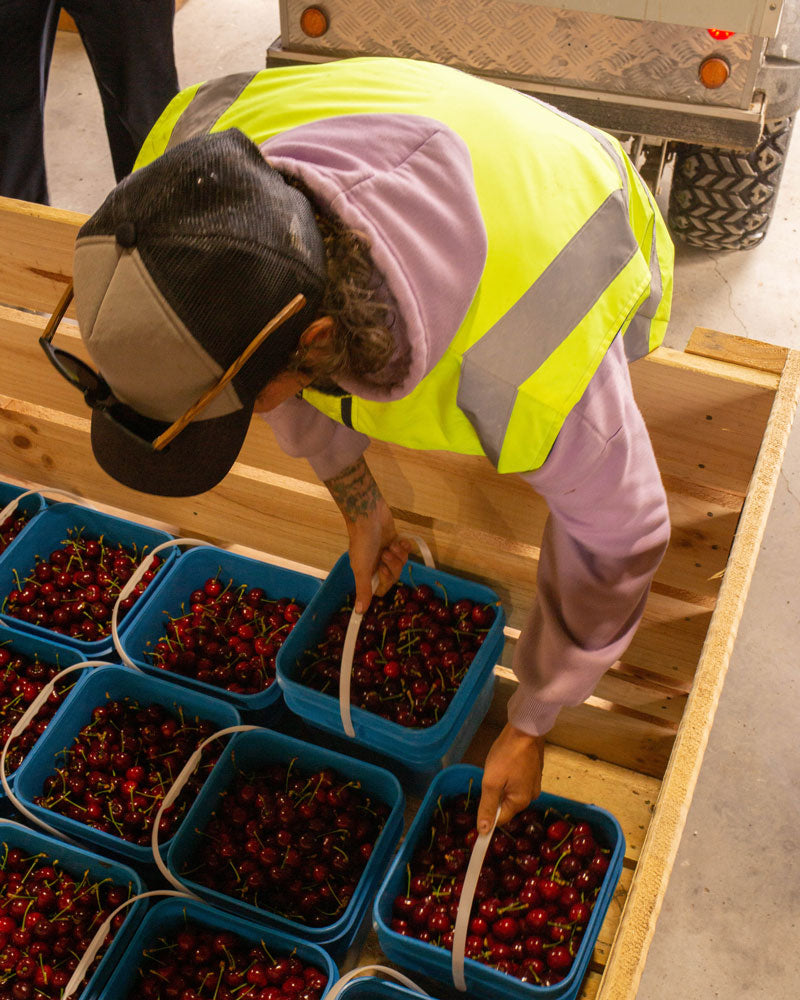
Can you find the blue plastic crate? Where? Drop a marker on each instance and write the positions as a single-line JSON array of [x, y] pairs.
[[97, 686], [420, 751], [31, 506], [168, 916], [52, 653], [48, 532], [249, 751], [190, 573], [482, 981], [75, 861]]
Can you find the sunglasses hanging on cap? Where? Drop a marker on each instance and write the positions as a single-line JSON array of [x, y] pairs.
[[98, 395], [94, 387]]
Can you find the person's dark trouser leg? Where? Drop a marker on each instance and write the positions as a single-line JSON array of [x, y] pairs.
[[130, 47], [27, 33]]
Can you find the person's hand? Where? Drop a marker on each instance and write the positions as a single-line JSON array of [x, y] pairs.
[[374, 547], [512, 776]]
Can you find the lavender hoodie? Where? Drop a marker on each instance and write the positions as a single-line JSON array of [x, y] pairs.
[[406, 182]]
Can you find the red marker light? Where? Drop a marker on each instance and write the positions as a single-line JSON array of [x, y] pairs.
[[719, 34]]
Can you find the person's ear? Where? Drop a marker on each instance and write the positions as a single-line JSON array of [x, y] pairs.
[[313, 341], [317, 335]]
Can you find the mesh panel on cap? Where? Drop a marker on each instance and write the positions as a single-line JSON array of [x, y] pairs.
[[227, 242]]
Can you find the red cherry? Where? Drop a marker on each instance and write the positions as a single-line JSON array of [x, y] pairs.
[[506, 929], [559, 958]]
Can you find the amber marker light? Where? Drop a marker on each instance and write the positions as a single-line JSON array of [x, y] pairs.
[[314, 22], [719, 34], [714, 71]]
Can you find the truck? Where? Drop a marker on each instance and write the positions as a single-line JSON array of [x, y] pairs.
[[704, 95]]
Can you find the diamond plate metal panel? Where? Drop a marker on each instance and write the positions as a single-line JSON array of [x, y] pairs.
[[545, 44]]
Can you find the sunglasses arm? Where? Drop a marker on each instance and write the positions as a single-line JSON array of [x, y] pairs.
[[58, 314]]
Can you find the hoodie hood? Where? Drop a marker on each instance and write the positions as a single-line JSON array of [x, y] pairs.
[[406, 183]]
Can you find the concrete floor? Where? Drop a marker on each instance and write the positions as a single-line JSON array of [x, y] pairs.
[[729, 924]]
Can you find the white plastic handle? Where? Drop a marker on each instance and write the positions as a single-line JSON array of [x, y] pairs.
[[45, 491], [340, 983], [479, 849], [348, 651], [129, 587], [21, 725], [97, 941], [174, 791]]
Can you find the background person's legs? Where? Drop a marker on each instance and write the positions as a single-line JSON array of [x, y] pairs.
[[130, 47], [27, 33]]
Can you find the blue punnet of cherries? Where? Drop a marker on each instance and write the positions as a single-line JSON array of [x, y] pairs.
[[74, 590], [413, 649], [534, 895]]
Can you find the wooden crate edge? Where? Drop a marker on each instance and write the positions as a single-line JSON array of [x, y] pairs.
[[637, 924]]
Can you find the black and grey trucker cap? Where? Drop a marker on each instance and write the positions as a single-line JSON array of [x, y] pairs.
[[179, 269]]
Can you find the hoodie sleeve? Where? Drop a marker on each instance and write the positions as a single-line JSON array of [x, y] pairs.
[[605, 536], [304, 432]]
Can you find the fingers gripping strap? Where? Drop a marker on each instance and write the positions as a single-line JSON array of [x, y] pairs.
[[130, 586], [348, 651], [340, 983], [479, 849], [175, 789], [21, 725]]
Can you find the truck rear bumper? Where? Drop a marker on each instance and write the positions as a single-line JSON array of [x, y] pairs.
[[709, 125]]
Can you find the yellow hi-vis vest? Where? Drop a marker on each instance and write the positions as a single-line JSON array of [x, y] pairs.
[[577, 249]]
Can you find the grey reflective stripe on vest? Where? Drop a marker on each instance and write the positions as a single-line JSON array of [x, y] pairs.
[[211, 99], [637, 336], [505, 357]]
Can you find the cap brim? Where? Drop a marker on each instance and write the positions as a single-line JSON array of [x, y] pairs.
[[196, 461]]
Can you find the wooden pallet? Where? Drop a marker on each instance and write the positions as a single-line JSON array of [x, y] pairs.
[[719, 414]]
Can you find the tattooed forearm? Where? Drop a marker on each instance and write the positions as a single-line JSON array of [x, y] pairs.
[[355, 491]]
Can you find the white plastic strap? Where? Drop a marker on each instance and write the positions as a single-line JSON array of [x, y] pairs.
[[346, 670], [96, 944], [129, 587], [340, 983], [479, 849], [45, 491], [348, 651], [21, 725], [174, 791]]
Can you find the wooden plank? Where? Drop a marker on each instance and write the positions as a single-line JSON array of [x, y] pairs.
[[611, 922], [670, 638], [705, 418], [626, 962], [36, 245], [737, 350]]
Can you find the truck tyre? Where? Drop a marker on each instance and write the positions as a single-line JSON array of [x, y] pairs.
[[723, 199]]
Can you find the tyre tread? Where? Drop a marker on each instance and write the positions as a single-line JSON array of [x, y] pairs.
[[723, 199]]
